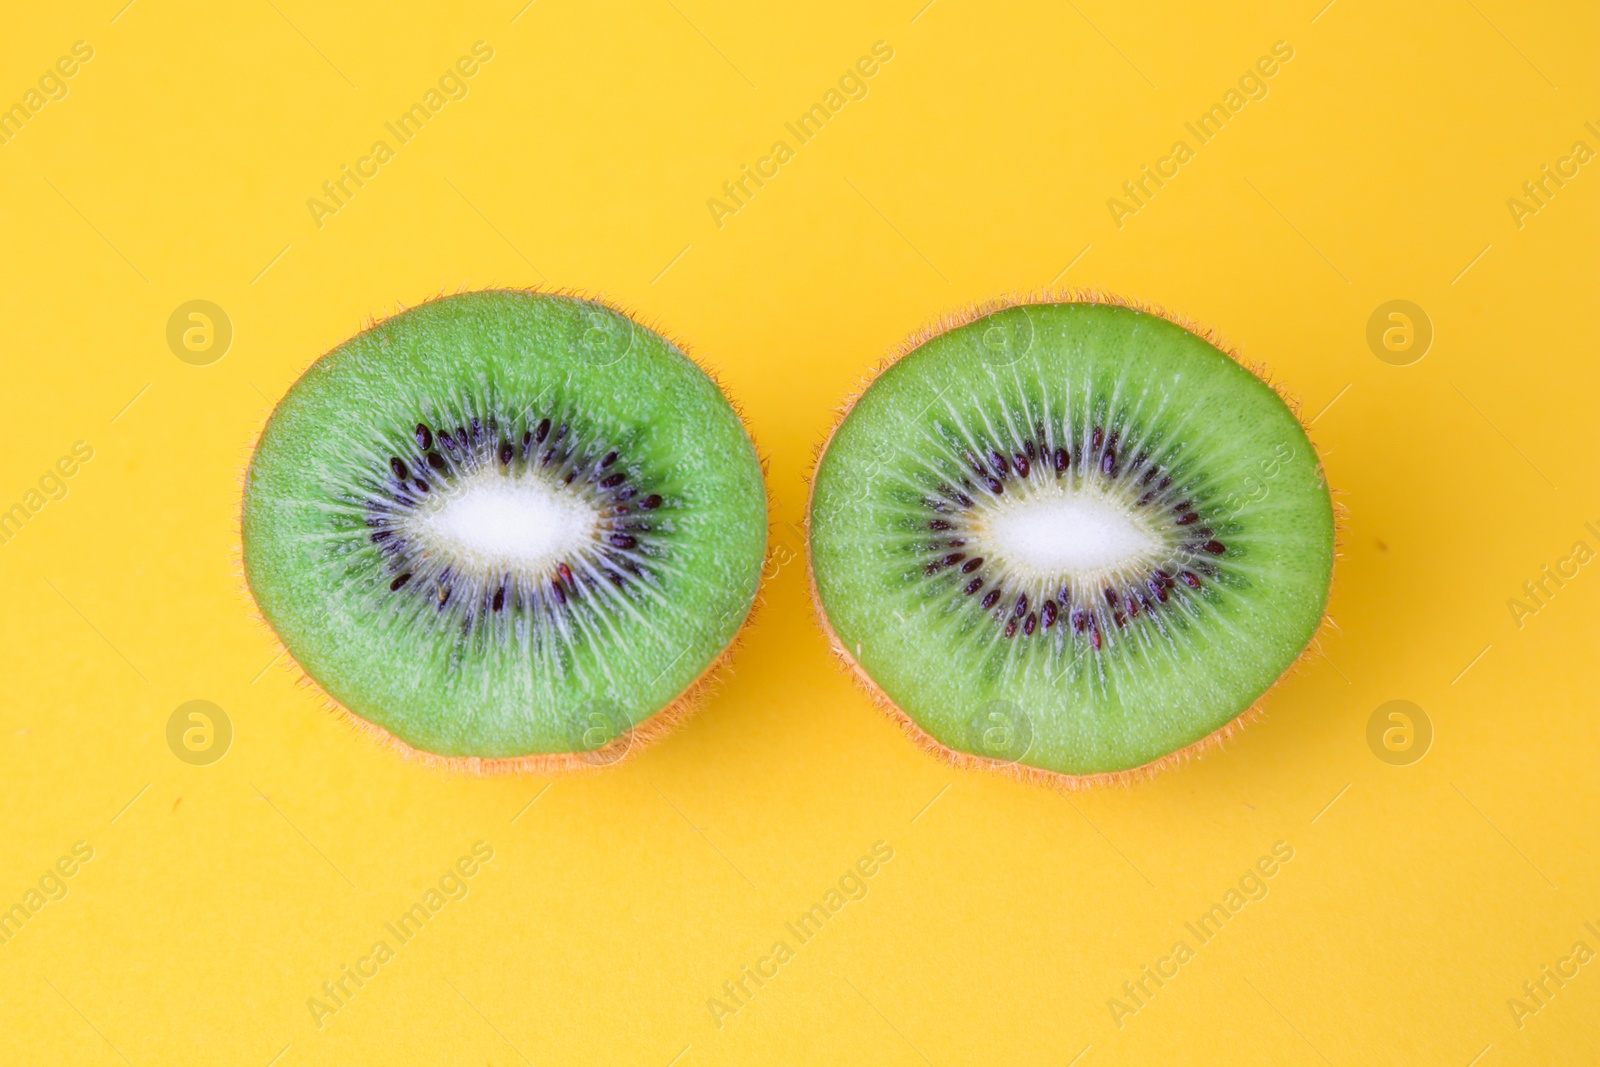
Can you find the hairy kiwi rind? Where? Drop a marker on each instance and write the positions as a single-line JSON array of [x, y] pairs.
[[1056, 780], [629, 743]]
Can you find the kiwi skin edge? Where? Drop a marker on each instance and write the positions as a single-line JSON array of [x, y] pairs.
[[1035, 775], [629, 742]]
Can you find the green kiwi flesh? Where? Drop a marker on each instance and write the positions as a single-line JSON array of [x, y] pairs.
[[504, 526], [1074, 538]]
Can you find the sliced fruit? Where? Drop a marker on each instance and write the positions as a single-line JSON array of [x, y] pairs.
[[506, 528], [1073, 538]]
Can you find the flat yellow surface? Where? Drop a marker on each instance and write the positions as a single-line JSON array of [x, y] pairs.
[[1375, 164]]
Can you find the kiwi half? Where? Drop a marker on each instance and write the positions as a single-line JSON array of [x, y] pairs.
[[1072, 539], [506, 529]]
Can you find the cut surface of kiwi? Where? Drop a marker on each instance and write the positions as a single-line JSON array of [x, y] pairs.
[[1070, 538], [505, 526]]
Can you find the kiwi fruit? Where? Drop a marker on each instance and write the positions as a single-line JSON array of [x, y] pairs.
[[506, 530], [1069, 538]]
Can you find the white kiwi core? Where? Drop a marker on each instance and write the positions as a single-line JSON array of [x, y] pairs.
[[494, 521], [1069, 532]]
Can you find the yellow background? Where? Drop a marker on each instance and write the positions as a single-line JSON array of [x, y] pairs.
[[1378, 167]]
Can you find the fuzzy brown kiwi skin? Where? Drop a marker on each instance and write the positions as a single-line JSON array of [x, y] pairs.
[[1056, 780], [627, 744]]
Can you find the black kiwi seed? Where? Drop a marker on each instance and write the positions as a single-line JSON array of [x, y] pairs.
[[424, 437]]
